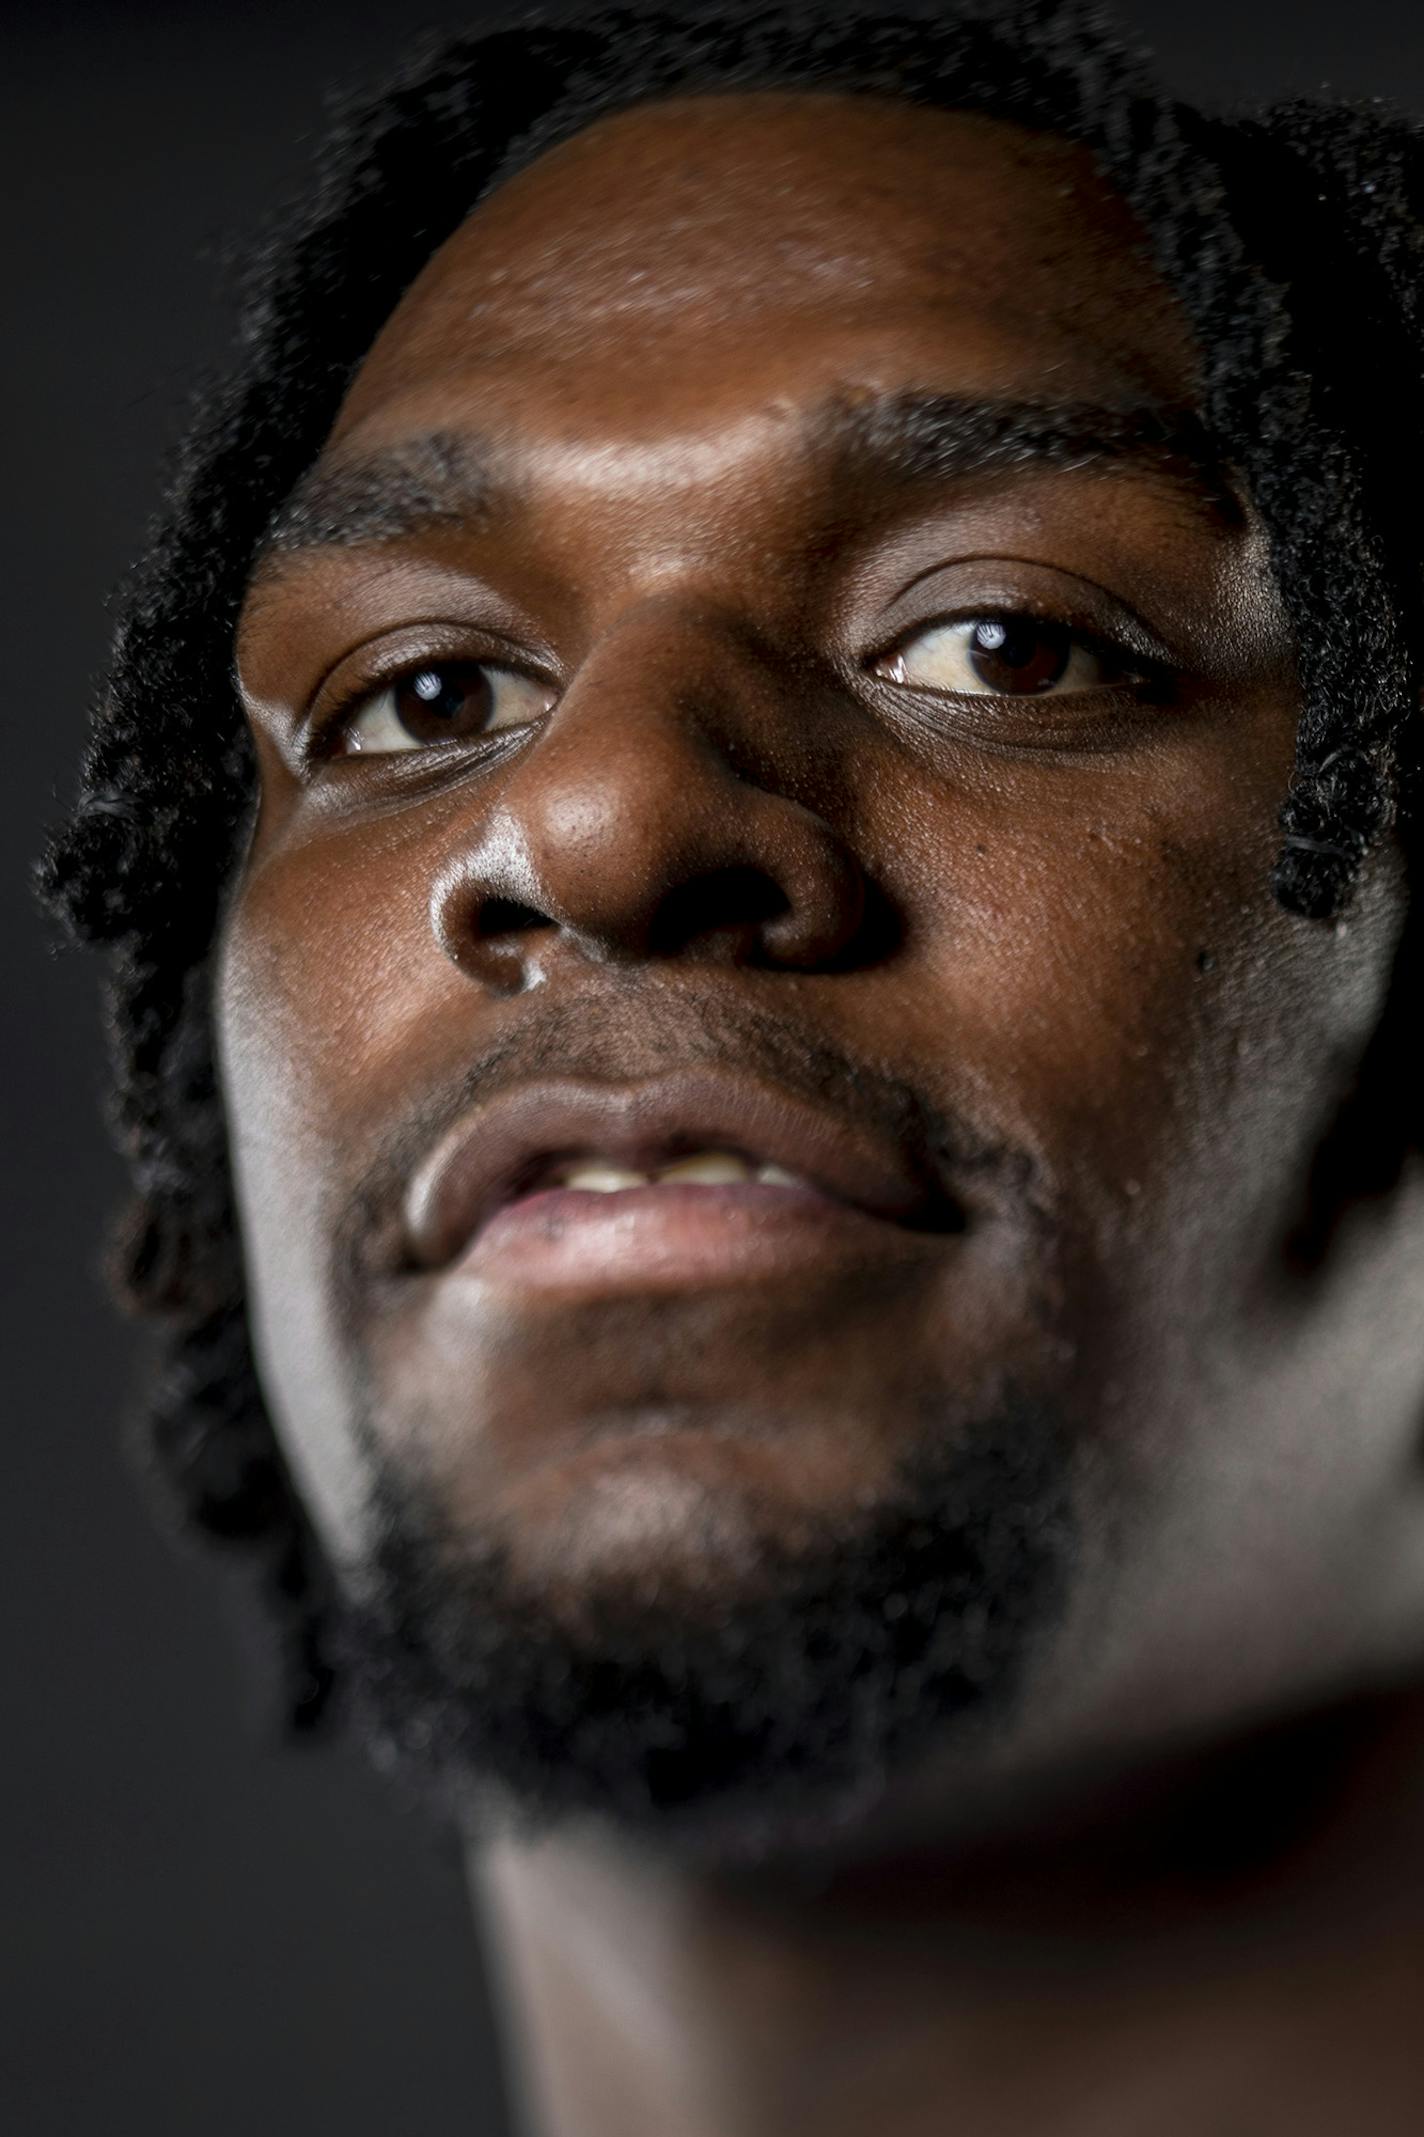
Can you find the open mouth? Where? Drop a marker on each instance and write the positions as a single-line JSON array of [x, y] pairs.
[[702, 1176], [592, 1173]]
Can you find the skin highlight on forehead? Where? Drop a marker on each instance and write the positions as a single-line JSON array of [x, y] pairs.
[[555, 269]]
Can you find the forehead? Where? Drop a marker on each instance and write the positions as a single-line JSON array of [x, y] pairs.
[[688, 259]]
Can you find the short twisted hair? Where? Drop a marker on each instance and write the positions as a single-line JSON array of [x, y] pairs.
[[1292, 238]]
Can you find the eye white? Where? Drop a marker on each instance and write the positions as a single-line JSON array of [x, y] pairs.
[[943, 656], [506, 699]]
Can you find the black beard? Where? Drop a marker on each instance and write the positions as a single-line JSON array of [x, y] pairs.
[[728, 1727]]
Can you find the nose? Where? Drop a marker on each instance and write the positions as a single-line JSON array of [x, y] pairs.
[[657, 815]]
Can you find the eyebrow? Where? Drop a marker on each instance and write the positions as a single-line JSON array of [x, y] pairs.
[[916, 437], [911, 436]]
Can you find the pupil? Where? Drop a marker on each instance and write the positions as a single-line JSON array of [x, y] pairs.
[[1017, 654]]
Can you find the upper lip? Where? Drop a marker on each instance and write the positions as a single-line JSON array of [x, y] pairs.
[[498, 1151]]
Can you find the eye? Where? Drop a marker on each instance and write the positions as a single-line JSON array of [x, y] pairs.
[[1005, 656], [442, 701]]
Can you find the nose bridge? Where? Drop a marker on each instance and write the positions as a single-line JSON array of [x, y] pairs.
[[679, 685], [655, 757]]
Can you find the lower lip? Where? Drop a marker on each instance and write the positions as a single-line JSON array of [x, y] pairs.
[[667, 1237]]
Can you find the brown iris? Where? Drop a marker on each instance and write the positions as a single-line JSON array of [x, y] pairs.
[[454, 699], [1019, 654]]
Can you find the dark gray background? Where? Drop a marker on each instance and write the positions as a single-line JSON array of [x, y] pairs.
[[203, 1935]]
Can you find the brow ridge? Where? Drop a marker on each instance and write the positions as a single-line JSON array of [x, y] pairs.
[[915, 436]]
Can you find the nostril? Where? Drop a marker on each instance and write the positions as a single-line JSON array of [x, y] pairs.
[[506, 916], [736, 897]]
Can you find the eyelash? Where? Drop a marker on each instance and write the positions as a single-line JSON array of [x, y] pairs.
[[328, 726], [1143, 666], [1144, 670]]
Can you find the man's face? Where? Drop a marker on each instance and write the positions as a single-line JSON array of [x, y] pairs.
[[764, 665]]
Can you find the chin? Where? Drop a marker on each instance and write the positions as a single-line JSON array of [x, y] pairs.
[[663, 1509], [654, 1635]]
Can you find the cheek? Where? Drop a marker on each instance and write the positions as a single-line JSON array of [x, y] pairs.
[[326, 969], [1104, 965], [328, 946]]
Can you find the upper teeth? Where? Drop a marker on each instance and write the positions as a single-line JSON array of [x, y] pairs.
[[709, 1168]]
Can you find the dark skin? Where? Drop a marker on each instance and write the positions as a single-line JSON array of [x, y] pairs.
[[709, 804]]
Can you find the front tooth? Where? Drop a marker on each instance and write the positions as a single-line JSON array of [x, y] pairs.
[[604, 1179], [778, 1176], [713, 1168]]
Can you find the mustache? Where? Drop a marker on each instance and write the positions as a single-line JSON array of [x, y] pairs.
[[654, 1031]]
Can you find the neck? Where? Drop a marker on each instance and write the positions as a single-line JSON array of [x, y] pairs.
[[1231, 1929]]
